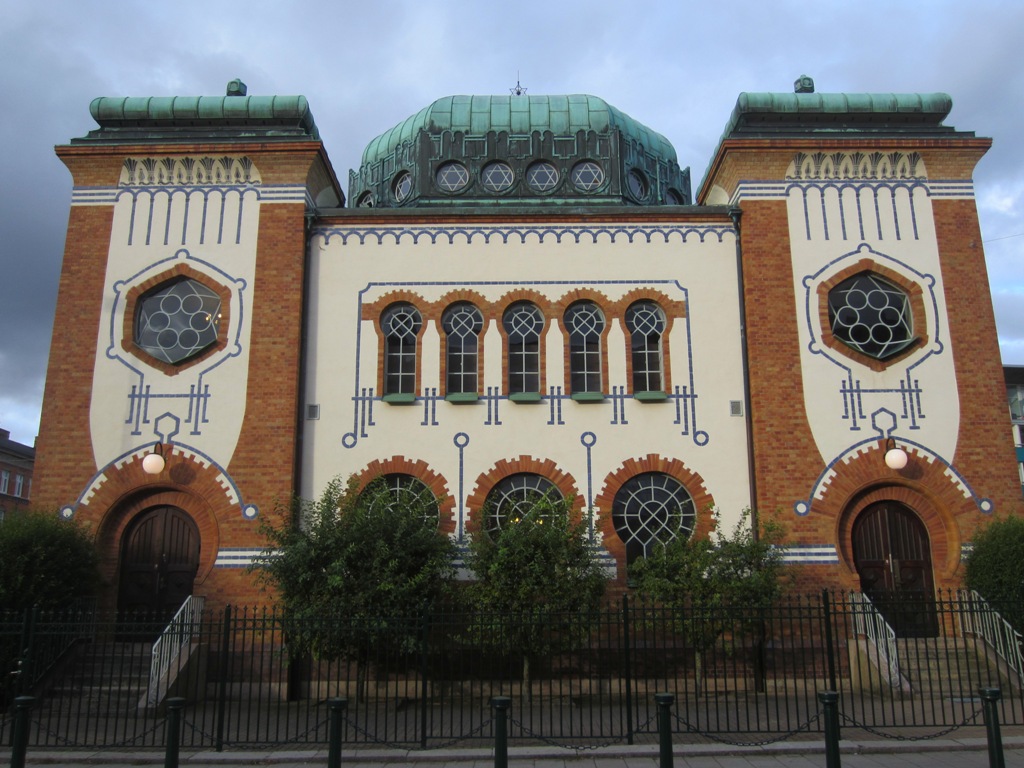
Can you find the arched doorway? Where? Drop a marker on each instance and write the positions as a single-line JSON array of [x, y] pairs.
[[892, 554], [159, 560]]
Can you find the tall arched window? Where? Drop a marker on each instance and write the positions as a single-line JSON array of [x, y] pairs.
[[523, 324], [462, 324], [400, 324], [645, 322], [584, 323]]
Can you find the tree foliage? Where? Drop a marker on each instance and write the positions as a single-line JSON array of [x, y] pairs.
[[45, 561], [354, 567], [995, 567]]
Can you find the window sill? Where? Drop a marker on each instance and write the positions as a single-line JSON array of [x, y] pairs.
[[587, 397], [525, 397], [650, 397], [462, 397], [400, 398]]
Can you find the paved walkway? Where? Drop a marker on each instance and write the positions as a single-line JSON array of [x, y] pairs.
[[933, 753]]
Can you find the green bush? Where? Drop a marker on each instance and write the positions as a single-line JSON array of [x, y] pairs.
[[45, 561], [995, 567]]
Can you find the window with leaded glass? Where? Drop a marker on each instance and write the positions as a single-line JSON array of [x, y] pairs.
[[399, 490], [523, 323], [650, 510], [645, 322], [514, 497], [587, 176], [462, 324], [400, 325], [542, 176], [452, 176], [177, 321], [871, 315], [497, 176], [584, 323]]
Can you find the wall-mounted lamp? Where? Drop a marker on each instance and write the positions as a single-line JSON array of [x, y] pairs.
[[153, 463], [895, 457]]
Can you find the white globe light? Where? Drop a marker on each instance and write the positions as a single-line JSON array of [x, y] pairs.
[[896, 458], [153, 464]]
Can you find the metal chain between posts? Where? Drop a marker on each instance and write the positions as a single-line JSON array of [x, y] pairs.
[[895, 737], [805, 726], [578, 747]]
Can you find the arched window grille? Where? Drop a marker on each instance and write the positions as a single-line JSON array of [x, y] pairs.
[[645, 322], [514, 497], [406, 491], [651, 509], [400, 324], [523, 323], [462, 324], [584, 324]]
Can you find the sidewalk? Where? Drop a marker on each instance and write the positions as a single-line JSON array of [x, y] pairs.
[[932, 753]]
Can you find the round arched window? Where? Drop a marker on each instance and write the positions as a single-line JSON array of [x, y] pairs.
[[651, 509], [514, 497], [393, 491], [871, 315]]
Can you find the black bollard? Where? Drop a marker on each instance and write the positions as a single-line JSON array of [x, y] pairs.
[[664, 701], [830, 701], [337, 709], [174, 706], [19, 734], [499, 709], [995, 740]]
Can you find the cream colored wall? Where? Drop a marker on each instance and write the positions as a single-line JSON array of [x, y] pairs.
[[345, 272]]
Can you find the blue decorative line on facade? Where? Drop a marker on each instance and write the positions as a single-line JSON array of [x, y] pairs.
[[554, 399], [461, 440], [430, 399], [521, 234], [493, 398], [589, 440], [909, 392], [619, 398], [171, 193]]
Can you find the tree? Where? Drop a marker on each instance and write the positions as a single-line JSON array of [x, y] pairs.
[[356, 568], [45, 561], [537, 576], [995, 567], [699, 579]]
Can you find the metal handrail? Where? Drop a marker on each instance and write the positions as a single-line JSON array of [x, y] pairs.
[[867, 621], [177, 635], [982, 620]]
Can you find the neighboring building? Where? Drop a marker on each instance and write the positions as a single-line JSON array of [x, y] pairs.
[[16, 461], [525, 296], [1014, 377]]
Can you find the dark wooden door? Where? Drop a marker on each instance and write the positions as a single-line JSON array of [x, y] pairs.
[[893, 558], [159, 559]]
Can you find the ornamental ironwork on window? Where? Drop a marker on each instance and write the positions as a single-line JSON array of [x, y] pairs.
[[542, 176], [400, 325], [871, 315], [523, 323], [177, 321], [645, 322], [404, 492], [587, 176], [515, 497], [637, 184], [650, 510], [462, 324], [497, 176], [401, 188], [452, 176], [585, 324]]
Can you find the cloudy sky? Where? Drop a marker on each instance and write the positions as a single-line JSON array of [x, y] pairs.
[[365, 65]]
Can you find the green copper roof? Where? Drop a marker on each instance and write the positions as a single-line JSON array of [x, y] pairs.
[[181, 117], [476, 115], [814, 112]]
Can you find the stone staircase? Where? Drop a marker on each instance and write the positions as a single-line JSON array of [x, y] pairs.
[[947, 667], [108, 677]]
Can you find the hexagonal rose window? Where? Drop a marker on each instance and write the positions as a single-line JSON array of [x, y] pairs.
[[177, 321], [871, 315]]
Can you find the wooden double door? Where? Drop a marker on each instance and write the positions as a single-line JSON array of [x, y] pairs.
[[159, 560], [892, 554]]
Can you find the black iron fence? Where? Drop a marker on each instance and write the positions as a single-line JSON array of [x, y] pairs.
[[257, 677]]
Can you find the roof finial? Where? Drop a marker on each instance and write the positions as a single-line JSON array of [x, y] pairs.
[[803, 84], [518, 90], [236, 88]]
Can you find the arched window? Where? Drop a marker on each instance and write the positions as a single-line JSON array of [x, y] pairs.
[[584, 323], [645, 322], [651, 509], [462, 324], [397, 490], [523, 324], [514, 497], [400, 324]]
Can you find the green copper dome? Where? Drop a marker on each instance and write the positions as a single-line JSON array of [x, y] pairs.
[[519, 149]]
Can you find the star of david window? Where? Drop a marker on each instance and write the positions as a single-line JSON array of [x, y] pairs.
[[401, 188], [542, 176], [177, 321], [514, 497], [871, 315], [365, 200], [587, 176], [452, 176], [398, 491], [497, 176], [651, 509], [637, 184]]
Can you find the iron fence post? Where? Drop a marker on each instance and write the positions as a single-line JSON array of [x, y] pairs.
[[19, 733], [995, 740], [829, 700], [174, 706], [830, 653], [222, 687], [627, 672], [424, 694], [664, 702], [499, 708], [337, 707]]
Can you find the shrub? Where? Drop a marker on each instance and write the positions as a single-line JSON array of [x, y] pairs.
[[995, 567]]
